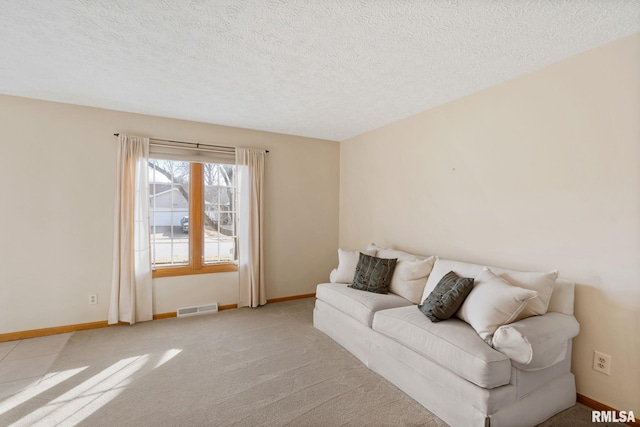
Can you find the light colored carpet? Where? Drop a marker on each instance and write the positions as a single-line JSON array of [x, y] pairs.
[[246, 367]]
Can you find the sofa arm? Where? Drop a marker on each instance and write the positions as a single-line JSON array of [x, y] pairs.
[[536, 342]]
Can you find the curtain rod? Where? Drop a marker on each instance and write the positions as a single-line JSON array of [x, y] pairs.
[[197, 144]]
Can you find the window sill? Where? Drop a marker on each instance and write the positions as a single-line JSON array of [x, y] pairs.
[[188, 270]]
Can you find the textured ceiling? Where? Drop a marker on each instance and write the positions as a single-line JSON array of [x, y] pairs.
[[328, 69]]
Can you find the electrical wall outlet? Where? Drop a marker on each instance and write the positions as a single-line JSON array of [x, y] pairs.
[[601, 362], [93, 299]]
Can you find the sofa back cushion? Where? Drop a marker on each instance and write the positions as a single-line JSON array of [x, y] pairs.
[[562, 297]]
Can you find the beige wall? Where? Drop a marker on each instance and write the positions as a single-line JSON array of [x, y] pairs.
[[538, 173], [57, 169]]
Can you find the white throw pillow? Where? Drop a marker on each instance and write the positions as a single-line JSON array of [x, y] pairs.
[[399, 255], [333, 275], [374, 247], [409, 278], [542, 283], [410, 274], [493, 302], [347, 262]]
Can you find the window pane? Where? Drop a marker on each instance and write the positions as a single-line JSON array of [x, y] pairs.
[[219, 213], [169, 212]]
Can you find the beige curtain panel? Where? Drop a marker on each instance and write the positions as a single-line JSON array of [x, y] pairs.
[[250, 172], [131, 287]]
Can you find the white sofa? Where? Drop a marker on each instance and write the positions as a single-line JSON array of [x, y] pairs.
[[521, 378]]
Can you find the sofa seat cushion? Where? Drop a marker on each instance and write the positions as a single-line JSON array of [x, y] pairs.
[[452, 344], [360, 305]]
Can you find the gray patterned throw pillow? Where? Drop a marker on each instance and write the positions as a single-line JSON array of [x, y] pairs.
[[373, 274], [447, 297]]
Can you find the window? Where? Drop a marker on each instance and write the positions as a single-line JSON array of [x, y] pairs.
[[192, 217]]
